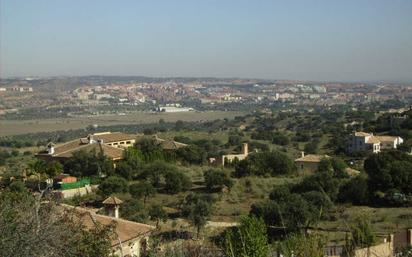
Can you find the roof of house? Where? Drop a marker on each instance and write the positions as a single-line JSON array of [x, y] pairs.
[[373, 140], [386, 138], [62, 176], [125, 230], [112, 200], [169, 144], [67, 150], [109, 151], [109, 137], [312, 158]]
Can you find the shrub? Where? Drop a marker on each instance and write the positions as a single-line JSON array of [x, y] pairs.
[[177, 181], [249, 239], [113, 185], [215, 178], [265, 163]]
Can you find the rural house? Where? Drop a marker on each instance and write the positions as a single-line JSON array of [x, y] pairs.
[[368, 142], [129, 238], [309, 162]]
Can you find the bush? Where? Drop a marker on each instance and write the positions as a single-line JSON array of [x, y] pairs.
[[354, 191], [234, 140], [215, 178], [149, 149], [191, 155], [324, 182], [294, 213], [249, 239], [197, 208], [86, 164], [389, 170], [113, 185], [134, 210], [156, 170], [266, 163], [157, 214], [142, 190], [177, 181]]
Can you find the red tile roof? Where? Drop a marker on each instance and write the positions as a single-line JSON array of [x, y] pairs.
[[112, 200], [125, 230]]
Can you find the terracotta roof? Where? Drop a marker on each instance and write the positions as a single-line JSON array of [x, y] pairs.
[[67, 146], [109, 151], [66, 150], [312, 158], [386, 138], [125, 230], [172, 145], [109, 137], [61, 176], [112, 200], [373, 140], [169, 144]]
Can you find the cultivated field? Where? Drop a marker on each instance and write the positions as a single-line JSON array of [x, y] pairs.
[[15, 127]]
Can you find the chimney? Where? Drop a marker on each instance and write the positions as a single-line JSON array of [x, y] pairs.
[[50, 148], [91, 139], [116, 211], [302, 154], [245, 149]]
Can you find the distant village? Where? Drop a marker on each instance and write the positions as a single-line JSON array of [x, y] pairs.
[[181, 96]]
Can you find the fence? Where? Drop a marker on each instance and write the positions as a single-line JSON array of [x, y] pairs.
[[80, 183]]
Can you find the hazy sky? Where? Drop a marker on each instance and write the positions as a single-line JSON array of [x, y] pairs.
[[289, 39]]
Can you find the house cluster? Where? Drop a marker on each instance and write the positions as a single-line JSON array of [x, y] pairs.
[[129, 238], [368, 142], [109, 144]]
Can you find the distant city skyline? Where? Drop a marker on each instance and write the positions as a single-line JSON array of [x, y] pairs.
[[317, 40]]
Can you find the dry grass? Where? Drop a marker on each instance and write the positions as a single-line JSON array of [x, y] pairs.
[[15, 127]]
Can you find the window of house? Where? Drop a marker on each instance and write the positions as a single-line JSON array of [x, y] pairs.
[[122, 143], [128, 142]]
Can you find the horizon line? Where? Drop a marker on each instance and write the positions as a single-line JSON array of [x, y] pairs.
[[390, 81]]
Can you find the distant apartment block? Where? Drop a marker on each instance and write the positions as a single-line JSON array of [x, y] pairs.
[[367, 142], [17, 89], [174, 109]]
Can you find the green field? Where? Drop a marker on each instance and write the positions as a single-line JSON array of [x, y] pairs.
[[15, 127]]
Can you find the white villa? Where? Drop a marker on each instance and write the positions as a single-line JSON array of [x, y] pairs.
[[361, 141]]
